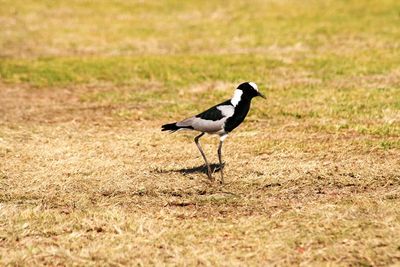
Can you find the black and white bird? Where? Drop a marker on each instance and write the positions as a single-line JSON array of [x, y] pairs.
[[220, 119]]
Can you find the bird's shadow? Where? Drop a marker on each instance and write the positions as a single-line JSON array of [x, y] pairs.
[[198, 169]]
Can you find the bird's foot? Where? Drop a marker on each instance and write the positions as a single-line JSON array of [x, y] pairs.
[[220, 168], [209, 174]]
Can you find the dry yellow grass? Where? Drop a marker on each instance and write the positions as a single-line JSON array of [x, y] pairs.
[[81, 186]]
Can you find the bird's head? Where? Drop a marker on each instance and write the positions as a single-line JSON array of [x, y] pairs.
[[250, 90]]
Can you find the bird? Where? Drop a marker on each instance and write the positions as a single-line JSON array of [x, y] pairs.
[[220, 120]]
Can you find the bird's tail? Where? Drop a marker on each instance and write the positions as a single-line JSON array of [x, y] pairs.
[[173, 127], [170, 127]]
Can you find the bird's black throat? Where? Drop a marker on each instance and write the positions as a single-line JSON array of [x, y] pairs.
[[241, 110]]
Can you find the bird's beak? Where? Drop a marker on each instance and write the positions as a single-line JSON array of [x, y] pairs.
[[263, 96]]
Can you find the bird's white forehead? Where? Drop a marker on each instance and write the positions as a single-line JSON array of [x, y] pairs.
[[254, 86]]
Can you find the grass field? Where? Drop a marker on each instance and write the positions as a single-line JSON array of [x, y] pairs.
[[88, 179]]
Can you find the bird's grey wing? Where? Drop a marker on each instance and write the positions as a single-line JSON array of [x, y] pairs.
[[211, 120]]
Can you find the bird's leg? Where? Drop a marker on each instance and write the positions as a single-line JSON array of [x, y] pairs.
[[221, 166], [196, 140]]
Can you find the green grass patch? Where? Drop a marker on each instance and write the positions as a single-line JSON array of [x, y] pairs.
[[355, 96], [171, 71]]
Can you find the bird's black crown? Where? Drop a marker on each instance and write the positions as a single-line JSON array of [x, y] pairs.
[[249, 89]]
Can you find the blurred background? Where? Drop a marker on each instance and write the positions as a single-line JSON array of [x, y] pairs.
[[335, 59]]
